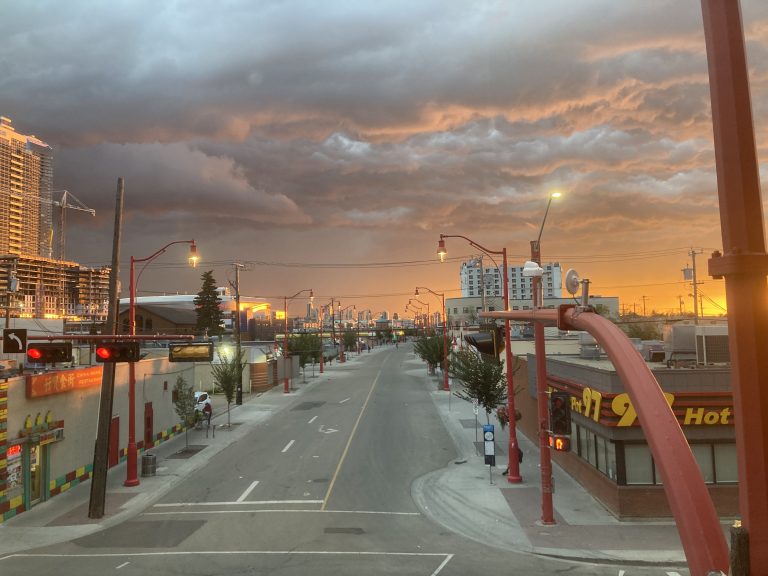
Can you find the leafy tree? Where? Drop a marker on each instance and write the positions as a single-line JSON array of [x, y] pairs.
[[208, 307], [184, 404], [481, 377], [226, 376], [430, 349], [473, 317], [307, 346], [349, 339], [638, 329]]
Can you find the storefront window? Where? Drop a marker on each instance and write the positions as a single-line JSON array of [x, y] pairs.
[[726, 468], [601, 459], [703, 455], [639, 465], [610, 458]]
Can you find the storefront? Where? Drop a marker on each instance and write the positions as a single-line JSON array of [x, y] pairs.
[[609, 455]]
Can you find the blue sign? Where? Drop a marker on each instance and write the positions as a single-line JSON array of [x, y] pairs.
[[489, 442]]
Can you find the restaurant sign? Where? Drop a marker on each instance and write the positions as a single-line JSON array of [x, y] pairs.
[[62, 381]]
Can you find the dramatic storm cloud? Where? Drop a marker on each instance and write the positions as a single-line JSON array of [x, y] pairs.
[[309, 133]]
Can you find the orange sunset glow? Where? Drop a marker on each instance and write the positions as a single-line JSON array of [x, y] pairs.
[[329, 145]]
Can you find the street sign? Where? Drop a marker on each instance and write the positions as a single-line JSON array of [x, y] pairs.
[[14, 340], [190, 352], [490, 444]]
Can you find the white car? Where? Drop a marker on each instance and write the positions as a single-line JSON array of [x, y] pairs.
[[203, 399]]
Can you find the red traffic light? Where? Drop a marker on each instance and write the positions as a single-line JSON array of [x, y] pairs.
[[49, 352], [125, 351]]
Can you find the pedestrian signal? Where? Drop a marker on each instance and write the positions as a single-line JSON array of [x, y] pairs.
[[490, 342], [560, 413], [126, 351], [560, 443]]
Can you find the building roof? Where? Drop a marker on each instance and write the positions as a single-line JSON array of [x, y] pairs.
[[174, 314]]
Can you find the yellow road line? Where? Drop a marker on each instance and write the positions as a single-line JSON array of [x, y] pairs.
[[351, 436]]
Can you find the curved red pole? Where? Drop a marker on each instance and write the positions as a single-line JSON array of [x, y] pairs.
[[697, 523]]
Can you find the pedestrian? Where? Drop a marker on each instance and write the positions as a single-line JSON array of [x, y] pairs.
[[519, 459]]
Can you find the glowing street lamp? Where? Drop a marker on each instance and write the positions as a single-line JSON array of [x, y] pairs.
[[286, 383], [131, 478], [441, 295], [513, 474], [423, 304]]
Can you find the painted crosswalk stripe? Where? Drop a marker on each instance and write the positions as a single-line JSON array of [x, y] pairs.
[[288, 446], [250, 488]]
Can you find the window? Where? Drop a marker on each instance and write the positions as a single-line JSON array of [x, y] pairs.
[[703, 455], [465, 310], [726, 470], [639, 464]]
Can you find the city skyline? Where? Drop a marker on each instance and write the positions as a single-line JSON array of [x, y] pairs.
[[335, 161]]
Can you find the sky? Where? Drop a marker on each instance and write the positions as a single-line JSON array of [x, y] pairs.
[[327, 145]]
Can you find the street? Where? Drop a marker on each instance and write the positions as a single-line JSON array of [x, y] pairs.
[[323, 485]]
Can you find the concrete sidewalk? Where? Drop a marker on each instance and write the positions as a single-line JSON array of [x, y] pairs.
[[476, 501]]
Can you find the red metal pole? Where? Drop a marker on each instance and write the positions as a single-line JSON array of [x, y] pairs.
[[322, 349], [744, 263], [545, 457], [131, 472], [698, 525], [513, 472], [446, 385], [286, 383]]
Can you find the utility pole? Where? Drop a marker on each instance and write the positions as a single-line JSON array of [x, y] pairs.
[[690, 274], [644, 299], [238, 340], [101, 449]]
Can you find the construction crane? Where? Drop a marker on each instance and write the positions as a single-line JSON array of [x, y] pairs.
[[71, 202]]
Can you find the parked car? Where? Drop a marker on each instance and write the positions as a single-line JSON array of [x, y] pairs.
[[203, 401]]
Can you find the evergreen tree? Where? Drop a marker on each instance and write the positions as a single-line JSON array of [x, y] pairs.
[[481, 377], [207, 307]]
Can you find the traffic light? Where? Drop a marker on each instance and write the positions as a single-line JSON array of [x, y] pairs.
[[49, 352], [117, 351], [560, 413], [489, 342], [190, 352]]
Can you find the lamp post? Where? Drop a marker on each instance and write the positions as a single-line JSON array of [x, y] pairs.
[[362, 312], [343, 331], [423, 304], [441, 295], [547, 510], [238, 336], [286, 380], [410, 307], [513, 475], [131, 478], [321, 319]]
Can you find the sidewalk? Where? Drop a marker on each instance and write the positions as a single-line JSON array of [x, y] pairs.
[[469, 498]]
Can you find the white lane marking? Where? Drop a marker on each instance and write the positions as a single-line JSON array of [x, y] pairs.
[[185, 505], [248, 490], [622, 572], [325, 430], [673, 573], [239, 552], [249, 502], [440, 568], [313, 419], [345, 400], [288, 446], [123, 565]]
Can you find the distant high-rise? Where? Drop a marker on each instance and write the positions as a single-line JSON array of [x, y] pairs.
[[26, 178], [32, 282], [474, 273]]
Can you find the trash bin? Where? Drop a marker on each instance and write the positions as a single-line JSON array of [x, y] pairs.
[[148, 464]]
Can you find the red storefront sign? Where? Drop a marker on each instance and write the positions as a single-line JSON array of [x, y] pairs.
[[39, 385]]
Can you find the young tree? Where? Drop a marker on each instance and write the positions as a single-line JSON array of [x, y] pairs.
[[307, 346], [184, 404], [430, 350], [349, 339], [226, 376], [481, 377], [207, 307]]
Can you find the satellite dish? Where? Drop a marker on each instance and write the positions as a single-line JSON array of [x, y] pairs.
[[572, 281]]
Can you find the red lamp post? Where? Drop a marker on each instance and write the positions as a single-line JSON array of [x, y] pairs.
[[425, 305], [286, 380], [320, 317], [343, 331], [131, 476], [513, 476], [441, 295]]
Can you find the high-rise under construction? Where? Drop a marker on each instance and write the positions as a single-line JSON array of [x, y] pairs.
[[33, 282]]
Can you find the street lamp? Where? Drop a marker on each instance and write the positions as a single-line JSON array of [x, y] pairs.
[[513, 474], [342, 331], [131, 478], [441, 295], [367, 326], [286, 383], [533, 270], [425, 305], [418, 317]]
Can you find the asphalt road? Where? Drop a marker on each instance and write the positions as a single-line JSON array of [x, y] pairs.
[[323, 487]]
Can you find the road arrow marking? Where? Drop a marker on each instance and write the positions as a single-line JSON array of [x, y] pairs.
[[325, 430]]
